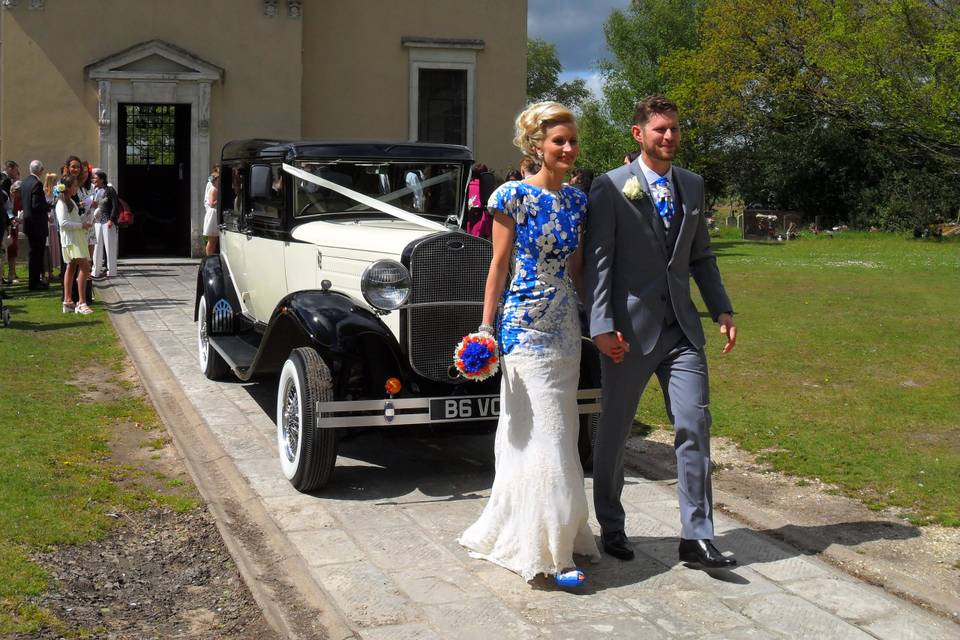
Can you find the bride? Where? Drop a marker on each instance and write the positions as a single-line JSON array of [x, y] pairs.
[[536, 518]]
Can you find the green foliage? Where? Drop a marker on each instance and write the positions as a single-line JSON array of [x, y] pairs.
[[57, 482], [543, 76], [640, 37], [845, 366], [846, 108]]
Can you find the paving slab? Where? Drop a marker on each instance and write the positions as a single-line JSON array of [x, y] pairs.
[[380, 541]]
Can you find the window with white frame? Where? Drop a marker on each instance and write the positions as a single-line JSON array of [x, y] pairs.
[[442, 89]]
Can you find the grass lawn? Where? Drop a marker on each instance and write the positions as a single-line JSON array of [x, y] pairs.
[[846, 367], [58, 484]]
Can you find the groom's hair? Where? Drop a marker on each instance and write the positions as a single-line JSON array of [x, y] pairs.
[[651, 105]]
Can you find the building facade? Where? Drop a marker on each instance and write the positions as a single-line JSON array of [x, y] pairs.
[[150, 90]]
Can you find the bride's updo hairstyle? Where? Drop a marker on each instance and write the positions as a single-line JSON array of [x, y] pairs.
[[532, 124]]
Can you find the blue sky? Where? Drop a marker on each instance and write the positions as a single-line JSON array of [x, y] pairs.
[[576, 28]]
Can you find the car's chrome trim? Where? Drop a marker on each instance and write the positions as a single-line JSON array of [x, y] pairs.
[[342, 413]]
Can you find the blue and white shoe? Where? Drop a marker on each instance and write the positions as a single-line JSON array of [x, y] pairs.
[[570, 579]]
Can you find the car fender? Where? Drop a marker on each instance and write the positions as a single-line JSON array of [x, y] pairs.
[[213, 280], [344, 332]]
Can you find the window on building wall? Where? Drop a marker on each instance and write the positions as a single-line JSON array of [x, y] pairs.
[[442, 89], [442, 106]]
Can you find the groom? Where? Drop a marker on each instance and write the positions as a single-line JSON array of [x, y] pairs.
[[645, 237]]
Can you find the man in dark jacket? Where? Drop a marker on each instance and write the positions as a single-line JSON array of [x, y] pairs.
[[35, 222]]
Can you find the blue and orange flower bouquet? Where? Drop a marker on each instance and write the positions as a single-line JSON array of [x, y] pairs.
[[476, 356]]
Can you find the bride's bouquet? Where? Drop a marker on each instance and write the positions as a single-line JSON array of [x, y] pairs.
[[476, 356]]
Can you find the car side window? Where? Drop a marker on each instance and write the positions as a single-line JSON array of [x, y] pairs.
[[231, 194], [266, 190]]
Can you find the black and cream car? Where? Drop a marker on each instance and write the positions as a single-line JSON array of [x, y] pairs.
[[344, 270]]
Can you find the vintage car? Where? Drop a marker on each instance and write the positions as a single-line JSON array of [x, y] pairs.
[[343, 269]]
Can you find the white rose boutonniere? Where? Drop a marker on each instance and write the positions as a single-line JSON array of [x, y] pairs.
[[632, 189]]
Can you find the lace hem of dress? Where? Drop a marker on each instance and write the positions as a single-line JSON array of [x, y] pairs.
[[529, 573]]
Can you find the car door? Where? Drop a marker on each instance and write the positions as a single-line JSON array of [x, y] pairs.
[[233, 227], [264, 270]]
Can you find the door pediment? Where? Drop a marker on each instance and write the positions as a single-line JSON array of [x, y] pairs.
[[154, 60]]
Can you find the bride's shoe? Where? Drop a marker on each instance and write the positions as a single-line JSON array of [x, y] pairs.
[[69, 307], [571, 578]]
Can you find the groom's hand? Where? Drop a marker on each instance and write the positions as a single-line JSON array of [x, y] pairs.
[[729, 329], [612, 345]]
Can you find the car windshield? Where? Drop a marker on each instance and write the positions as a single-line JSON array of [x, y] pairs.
[[427, 189]]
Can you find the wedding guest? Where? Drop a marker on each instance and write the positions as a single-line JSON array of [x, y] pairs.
[[529, 167], [106, 212], [211, 227], [514, 174], [479, 221], [582, 179], [73, 238], [9, 175], [12, 249], [53, 230], [35, 223], [75, 167], [630, 157], [536, 518]]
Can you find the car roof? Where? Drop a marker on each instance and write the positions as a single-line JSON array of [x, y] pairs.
[[288, 150]]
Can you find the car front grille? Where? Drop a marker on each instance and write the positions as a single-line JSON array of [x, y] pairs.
[[449, 272]]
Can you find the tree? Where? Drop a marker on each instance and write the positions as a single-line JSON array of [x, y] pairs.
[[639, 37], [845, 107], [543, 76]]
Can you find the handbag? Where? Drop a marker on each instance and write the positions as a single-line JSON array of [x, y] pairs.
[[125, 215]]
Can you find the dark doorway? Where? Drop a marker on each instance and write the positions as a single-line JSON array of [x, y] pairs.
[[154, 178]]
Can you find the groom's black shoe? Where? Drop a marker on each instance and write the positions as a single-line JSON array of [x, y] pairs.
[[703, 553], [617, 544]]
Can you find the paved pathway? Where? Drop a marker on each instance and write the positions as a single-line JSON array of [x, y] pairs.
[[380, 540]]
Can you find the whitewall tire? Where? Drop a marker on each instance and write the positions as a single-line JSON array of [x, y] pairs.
[[308, 452]]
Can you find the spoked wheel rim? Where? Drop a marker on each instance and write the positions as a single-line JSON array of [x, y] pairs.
[[202, 341], [290, 421]]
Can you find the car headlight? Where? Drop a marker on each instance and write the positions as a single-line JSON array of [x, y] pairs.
[[385, 284]]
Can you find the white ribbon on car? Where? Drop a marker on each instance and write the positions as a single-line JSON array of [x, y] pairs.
[[364, 199]]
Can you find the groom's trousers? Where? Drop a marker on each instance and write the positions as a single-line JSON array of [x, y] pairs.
[[682, 371]]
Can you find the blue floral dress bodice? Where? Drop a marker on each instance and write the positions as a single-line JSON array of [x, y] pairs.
[[539, 309]]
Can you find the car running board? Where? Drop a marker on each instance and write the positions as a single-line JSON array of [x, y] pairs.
[[237, 352]]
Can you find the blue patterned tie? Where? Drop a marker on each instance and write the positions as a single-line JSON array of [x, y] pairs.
[[664, 201]]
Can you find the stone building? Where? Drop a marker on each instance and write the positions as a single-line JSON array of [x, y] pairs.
[[150, 90]]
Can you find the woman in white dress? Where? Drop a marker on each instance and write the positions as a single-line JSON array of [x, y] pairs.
[[210, 224], [536, 518], [73, 241]]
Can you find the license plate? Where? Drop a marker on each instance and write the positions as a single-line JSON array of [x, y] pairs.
[[476, 408]]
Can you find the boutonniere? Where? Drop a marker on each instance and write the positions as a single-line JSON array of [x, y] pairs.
[[632, 189]]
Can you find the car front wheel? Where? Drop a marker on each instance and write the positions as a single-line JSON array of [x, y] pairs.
[[308, 452]]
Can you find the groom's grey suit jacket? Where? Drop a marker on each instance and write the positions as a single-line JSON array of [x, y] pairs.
[[634, 268]]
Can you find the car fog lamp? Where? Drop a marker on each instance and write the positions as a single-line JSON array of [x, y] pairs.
[[385, 284]]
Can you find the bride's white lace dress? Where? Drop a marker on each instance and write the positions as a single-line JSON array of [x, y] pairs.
[[536, 518]]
